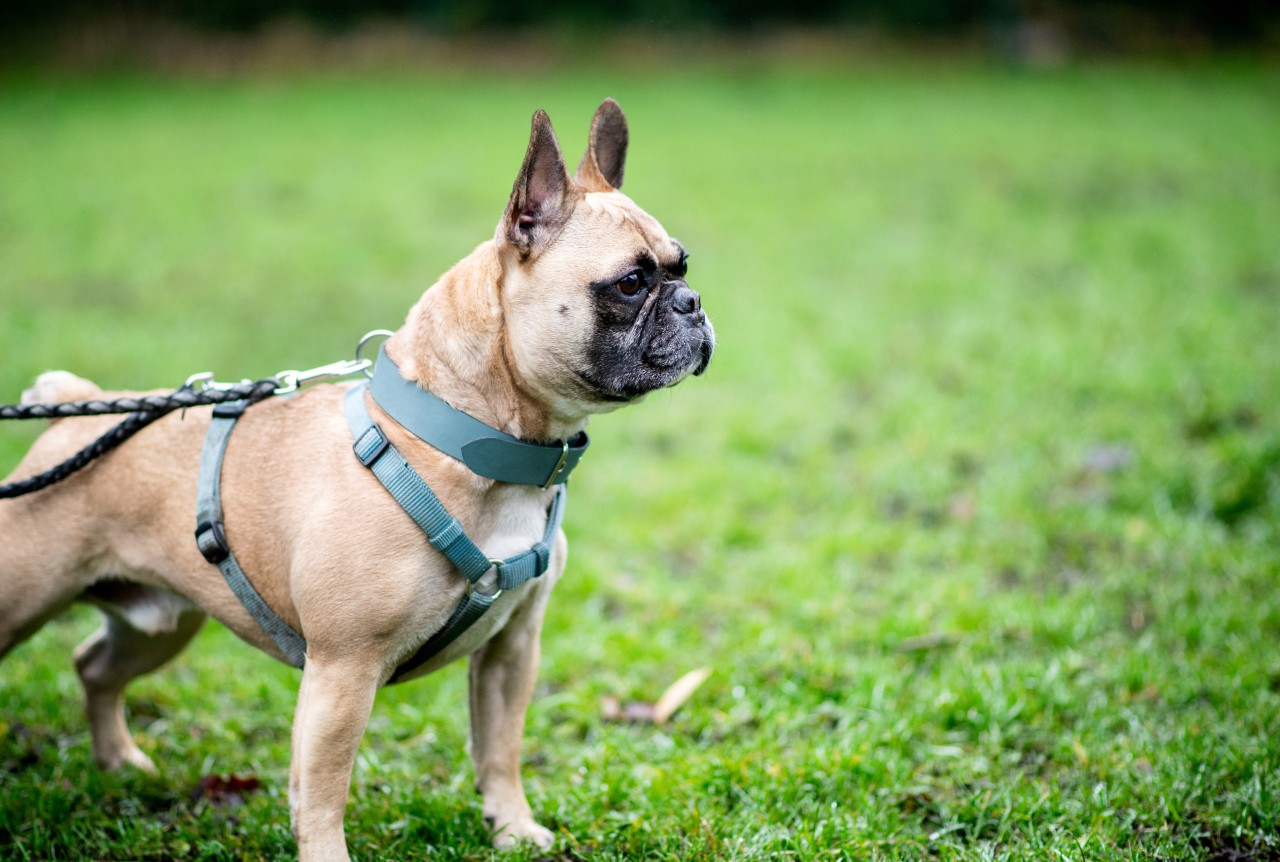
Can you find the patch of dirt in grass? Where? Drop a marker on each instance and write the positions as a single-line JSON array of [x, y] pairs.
[[1210, 422], [1245, 476], [1222, 847], [21, 746], [1258, 282]]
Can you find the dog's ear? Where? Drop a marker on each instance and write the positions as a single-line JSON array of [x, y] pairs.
[[601, 168], [541, 200]]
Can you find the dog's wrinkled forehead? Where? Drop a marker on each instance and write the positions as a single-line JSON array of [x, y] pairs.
[[614, 214]]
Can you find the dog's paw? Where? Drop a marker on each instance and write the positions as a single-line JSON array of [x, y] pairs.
[[53, 386], [127, 756], [508, 835], [138, 760]]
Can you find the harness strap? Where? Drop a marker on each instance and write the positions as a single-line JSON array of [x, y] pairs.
[[470, 609], [443, 531], [211, 536], [375, 451]]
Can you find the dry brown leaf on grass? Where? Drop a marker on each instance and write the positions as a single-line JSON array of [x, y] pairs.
[[677, 693], [612, 709], [225, 790]]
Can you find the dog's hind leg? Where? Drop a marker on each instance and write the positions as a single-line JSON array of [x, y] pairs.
[[33, 589], [138, 634], [22, 617], [59, 545]]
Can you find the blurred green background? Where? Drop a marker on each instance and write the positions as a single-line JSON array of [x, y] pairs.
[[973, 517]]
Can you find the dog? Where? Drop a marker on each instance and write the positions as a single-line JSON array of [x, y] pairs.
[[576, 306]]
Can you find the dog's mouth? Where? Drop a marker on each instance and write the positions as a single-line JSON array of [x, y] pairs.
[[662, 364], [683, 352]]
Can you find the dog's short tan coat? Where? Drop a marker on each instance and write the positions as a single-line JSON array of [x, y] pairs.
[[513, 335]]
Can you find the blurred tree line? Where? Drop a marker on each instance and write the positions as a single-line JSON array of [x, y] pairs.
[[1241, 22]]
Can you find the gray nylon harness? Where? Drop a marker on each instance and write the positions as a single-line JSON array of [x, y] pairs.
[[486, 451]]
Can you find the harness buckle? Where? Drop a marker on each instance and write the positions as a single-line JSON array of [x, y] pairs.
[[212, 542], [371, 445]]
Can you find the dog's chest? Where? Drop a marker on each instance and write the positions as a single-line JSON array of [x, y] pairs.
[[516, 518]]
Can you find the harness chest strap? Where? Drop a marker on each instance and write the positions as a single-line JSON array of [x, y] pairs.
[[443, 531]]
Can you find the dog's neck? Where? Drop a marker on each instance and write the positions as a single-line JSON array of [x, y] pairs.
[[454, 344]]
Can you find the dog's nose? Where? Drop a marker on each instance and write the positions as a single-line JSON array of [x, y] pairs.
[[685, 300]]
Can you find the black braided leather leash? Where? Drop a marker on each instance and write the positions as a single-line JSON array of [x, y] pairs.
[[143, 411]]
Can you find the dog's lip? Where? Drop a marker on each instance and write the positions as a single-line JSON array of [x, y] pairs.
[[654, 372], [707, 348]]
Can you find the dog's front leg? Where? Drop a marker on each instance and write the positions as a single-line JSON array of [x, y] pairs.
[[502, 675], [334, 703]]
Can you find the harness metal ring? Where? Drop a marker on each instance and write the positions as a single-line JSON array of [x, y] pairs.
[[474, 587], [369, 336], [199, 381], [290, 381]]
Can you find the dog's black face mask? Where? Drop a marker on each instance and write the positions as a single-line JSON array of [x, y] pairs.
[[650, 331]]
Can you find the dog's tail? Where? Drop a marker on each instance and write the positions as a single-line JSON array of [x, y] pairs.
[[60, 386]]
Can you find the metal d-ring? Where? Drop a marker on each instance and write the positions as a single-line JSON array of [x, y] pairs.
[[474, 586], [199, 381], [204, 380], [369, 336]]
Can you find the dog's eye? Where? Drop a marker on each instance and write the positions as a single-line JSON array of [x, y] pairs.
[[682, 268], [629, 284]]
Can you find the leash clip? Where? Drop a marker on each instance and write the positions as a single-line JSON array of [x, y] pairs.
[[291, 381]]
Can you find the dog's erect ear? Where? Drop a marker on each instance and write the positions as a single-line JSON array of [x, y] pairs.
[[601, 167], [541, 200]]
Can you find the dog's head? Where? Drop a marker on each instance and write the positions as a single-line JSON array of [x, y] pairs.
[[597, 308]]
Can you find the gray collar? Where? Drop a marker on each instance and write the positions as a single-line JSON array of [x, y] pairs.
[[486, 451]]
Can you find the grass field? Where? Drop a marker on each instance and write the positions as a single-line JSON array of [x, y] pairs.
[[975, 516]]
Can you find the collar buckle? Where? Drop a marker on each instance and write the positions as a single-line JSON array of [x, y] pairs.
[[555, 471]]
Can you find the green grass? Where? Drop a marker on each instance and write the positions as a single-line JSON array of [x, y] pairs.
[[976, 514]]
